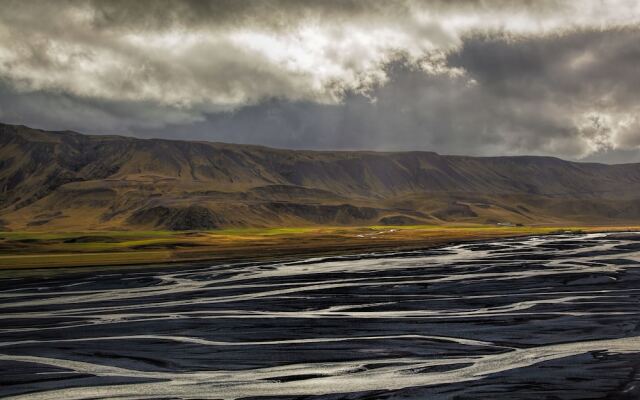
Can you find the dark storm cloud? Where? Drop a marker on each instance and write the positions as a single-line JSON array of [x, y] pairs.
[[584, 82], [467, 77], [577, 64], [61, 111], [572, 95]]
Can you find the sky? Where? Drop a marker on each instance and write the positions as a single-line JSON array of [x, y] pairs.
[[485, 78]]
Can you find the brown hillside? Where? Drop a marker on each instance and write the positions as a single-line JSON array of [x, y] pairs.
[[66, 180]]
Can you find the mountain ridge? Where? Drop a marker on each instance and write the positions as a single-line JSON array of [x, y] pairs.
[[68, 180]]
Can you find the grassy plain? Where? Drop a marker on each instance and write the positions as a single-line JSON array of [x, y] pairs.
[[67, 249]]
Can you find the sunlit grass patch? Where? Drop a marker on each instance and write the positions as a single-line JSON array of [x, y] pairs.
[[38, 249], [264, 231]]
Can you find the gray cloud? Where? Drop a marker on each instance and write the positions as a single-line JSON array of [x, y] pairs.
[[470, 77]]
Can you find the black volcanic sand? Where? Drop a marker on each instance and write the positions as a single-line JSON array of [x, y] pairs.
[[554, 317]]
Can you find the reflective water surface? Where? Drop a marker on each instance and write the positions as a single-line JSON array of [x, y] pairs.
[[536, 318]]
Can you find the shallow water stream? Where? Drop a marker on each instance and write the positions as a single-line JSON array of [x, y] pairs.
[[535, 318]]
